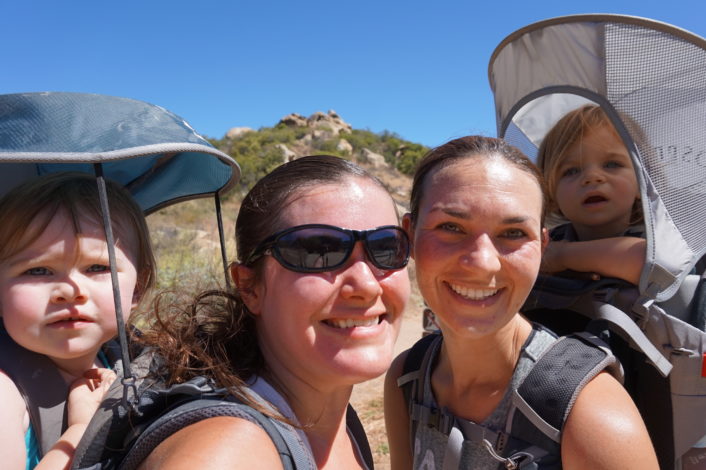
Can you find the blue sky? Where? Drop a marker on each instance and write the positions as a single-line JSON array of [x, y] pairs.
[[417, 68]]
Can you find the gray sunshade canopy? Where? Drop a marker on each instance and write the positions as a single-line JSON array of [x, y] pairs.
[[156, 154], [650, 78]]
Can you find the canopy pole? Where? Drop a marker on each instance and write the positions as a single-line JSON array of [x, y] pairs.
[[128, 380], [221, 236]]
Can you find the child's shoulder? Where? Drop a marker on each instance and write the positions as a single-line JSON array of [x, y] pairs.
[[14, 409]]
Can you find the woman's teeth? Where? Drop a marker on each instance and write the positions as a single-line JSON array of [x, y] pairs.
[[350, 323], [473, 294]]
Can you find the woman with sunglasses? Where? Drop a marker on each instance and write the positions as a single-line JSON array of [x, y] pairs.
[[319, 292], [476, 223]]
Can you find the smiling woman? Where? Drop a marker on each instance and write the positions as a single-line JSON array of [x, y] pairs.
[[477, 230], [319, 294]]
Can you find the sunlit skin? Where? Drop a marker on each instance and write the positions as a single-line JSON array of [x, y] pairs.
[[56, 295], [56, 299], [300, 325], [596, 185], [477, 244]]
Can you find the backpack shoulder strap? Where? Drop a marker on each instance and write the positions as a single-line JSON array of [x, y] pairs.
[[541, 404], [412, 367], [200, 409], [361, 439], [40, 384], [412, 384]]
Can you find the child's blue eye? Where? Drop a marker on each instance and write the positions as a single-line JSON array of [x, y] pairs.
[[40, 271], [98, 268], [613, 164]]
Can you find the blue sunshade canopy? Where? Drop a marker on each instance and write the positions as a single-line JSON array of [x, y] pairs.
[[156, 154]]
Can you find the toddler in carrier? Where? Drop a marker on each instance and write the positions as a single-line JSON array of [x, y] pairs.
[[591, 183], [57, 308]]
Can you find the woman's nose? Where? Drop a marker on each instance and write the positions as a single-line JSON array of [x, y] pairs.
[[481, 255], [69, 290], [360, 276]]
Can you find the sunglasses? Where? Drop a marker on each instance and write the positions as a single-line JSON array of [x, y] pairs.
[[316, 248]]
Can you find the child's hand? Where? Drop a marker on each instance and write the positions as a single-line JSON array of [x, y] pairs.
[[86, 394]]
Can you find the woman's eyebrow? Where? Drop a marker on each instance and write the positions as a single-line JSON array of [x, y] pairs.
[[519, 219]]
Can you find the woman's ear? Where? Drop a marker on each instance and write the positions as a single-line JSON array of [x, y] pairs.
[[409, 229], [136, 296], [545, 238], [245, 281]]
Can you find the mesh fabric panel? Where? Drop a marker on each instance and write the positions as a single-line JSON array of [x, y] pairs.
[[657, 83]]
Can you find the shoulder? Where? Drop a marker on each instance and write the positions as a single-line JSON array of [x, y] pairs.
[[219, 442], [604, 430], [10, 396], [15, 420], [397, 416]]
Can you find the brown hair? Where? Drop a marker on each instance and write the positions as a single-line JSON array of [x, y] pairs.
[[569, 130], [470, 147], [216, 334], [27, 209]]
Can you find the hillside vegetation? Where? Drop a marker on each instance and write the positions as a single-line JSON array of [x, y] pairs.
[[185, 235], [259, 151]]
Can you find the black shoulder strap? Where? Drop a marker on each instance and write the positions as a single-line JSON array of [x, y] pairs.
[[411, 384], [356, 428], [547, 394], [198, 410], [41, 385], [411, 369]]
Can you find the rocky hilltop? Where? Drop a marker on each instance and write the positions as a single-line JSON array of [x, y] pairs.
[[385, 154]]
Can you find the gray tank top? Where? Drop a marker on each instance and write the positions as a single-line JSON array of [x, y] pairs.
[[430, 444]]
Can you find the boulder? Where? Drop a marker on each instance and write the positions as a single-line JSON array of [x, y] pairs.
[[287, 154], [344, 147], [294, 120], [234, 132], [375, 159], [330, 120]]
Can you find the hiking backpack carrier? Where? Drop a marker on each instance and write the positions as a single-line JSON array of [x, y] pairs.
[[648, 77], [154, 153], [540, 405]]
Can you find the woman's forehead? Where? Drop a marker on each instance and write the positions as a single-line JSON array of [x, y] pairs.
[[481, 178], [352, 200]]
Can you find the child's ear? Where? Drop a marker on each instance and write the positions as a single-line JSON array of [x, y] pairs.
[[245, 282], [409, 228]]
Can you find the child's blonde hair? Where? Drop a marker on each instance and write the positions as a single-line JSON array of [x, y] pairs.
[[27, 209], [569, 130]]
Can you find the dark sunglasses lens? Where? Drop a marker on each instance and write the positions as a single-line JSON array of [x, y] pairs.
[[315, 249], [388, 248]]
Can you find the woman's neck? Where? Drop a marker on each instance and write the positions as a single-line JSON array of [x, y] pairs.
[[472, 375], [321, 413]]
